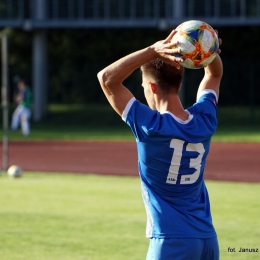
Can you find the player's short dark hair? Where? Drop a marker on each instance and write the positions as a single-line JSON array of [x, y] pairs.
[[166, 76]]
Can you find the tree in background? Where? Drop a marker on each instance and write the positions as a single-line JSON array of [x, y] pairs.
[[75, 57]]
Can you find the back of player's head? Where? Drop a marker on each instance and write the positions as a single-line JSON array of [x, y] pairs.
[[166, 76]]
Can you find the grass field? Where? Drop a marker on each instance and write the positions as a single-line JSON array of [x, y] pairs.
[[95, 122], [65, 216]]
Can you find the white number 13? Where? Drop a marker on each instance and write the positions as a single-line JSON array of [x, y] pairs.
[[195, 163]]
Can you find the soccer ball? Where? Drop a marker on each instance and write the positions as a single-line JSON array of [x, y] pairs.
[[14, 171], [198, 42]]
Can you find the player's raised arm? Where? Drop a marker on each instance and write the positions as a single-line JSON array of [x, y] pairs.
[[112, 77], [212, 77]]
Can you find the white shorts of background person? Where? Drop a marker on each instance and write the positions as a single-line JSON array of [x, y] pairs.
[[21, 116]]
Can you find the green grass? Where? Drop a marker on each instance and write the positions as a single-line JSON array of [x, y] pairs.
[[46, 216], [238, 124], [237, 134], [123, 133], [65, 216], [236, 211], [100, 122], [40, 132], [78, 122]]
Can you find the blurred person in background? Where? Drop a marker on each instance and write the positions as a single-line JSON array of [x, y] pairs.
[[22, 114]]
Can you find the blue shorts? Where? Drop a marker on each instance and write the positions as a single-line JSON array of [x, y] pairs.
[[183, 249]]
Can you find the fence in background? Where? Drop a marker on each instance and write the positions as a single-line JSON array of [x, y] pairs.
[[29, 14]]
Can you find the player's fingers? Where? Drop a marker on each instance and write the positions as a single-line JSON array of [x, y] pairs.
[[173, 55], [170, 46], [177, 65], [174, 44], [173, 58], [175, 51], [168, 39], [172, 62], [219, 41]]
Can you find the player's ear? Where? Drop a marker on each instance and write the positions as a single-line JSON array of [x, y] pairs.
[[153, 86]]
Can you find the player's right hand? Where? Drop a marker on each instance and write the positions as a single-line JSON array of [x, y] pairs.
[[164, 50]]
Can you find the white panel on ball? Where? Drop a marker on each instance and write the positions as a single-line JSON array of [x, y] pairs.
[[14, 171]]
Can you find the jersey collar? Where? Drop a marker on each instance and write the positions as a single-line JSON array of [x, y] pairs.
[[178, 119]]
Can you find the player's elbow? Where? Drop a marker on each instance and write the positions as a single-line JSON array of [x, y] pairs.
[[101, 77], [104, 81]]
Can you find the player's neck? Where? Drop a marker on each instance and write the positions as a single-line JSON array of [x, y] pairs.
[[172, 104]]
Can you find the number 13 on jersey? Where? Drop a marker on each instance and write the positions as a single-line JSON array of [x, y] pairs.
[[194, 163]]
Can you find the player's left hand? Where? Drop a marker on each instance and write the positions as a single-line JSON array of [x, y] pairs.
[[219, 42]]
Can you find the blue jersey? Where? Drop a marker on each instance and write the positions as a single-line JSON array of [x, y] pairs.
[[171, 161]]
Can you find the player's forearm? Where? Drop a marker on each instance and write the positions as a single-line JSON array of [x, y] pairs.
[[215, 68], [212, 77], [117, 72]]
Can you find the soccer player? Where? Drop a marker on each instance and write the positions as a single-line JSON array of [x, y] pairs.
[[173, 144], [22, 112]]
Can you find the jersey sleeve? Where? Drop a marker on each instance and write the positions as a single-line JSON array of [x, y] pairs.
[[207, 102], [142, 120], [206, 107]]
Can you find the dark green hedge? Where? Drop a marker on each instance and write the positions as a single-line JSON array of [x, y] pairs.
[[75, 57]]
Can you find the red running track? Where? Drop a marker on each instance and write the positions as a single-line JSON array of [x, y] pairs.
[[226, 161]]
